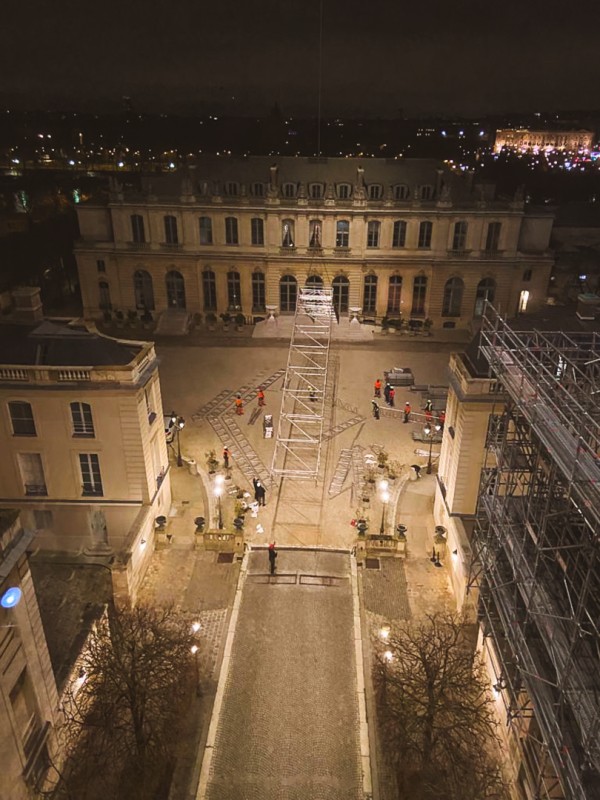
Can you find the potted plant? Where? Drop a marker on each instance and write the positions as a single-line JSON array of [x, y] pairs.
[[197, 319], [107, 315], [393, 469], [211, 462], [120, 317], [211, 320], [226, 317], [382, 459], [147, 319], [385, 325], [132, 317], [427, 326], [240, 321], [370, 475]]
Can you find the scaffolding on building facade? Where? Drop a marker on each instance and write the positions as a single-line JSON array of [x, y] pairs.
[[297, 451], [537, 552]]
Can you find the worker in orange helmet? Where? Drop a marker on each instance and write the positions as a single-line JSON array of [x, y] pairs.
[[239, 405], [261, 397]]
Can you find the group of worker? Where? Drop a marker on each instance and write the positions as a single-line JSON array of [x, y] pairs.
[[389, 393], [239, 403]]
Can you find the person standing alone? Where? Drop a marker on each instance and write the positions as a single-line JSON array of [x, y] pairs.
[[272, 557], [226, 457], [407, 410], [261, 397]]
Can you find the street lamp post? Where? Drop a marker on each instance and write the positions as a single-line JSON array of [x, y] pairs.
[[218, 492], [179, 423], [430, 432], [385, 498]]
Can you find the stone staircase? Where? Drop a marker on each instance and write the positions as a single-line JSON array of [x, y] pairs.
[[173, 322]]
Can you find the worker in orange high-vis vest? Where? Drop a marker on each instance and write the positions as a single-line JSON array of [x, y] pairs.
[[239, 405], [407, 410], [377, 388], [261, 397]]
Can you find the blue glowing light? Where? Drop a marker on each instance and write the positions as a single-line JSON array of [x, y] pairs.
[[11, 597]]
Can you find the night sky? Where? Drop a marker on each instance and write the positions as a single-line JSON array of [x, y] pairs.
[[237, 56]]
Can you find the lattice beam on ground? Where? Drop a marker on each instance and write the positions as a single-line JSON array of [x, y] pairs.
[[300, 430]]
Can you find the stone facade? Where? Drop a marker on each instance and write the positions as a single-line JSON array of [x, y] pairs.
[[85, 456], [398, 238], [528, 141]]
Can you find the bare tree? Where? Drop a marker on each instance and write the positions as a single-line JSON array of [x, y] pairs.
[[124, 714], [435, 713]]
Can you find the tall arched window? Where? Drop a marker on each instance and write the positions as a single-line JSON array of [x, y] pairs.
[[104, 296], [234, 296], [175, 289], [419, 294], [394, 292], [453, 294], [209, 289], [341, 292], [287, 233], [288, 293], [370, 294], [314, 282], [258, 291], [138, 234], [143, 289], [486, 289]]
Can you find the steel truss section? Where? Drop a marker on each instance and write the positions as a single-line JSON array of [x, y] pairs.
[[537, 547], [300, 431]]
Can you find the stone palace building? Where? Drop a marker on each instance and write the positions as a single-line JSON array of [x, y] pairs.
[[403, 239]]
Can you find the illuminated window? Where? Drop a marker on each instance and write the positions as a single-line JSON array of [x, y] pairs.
[[523, 300], [287, 233]]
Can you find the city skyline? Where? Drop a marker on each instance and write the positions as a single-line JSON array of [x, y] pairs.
[[245, 57]]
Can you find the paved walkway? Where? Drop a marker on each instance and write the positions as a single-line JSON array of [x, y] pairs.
[[288, 725]]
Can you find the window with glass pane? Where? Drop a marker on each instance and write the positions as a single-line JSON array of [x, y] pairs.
[[101, 265], [459, 239], [401, 192], [373, 234], [258, 291], [394, 292], [81, 416], [426, 192], [289, 190], [419, 294], [492, 239], [343, 191], [231, 230], [314, 233], [453, 292], [91, 480], [370, 294], [257, 230], [21, 417], [316, 191], [399, 235], [138, 233], [171, 230], [206, 236], [425, 229], [233, 290], [104, 296], [32, 474], [486, 289], [232, 188], [257, 190], [209, 288], [287, 233], [375, 191], [342, 233]]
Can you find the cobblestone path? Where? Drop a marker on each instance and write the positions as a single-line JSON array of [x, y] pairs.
[[289, 722]]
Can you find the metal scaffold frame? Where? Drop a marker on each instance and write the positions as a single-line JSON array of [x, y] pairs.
[[300, 431], [537, 550]]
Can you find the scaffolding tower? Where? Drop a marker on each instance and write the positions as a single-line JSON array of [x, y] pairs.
[[537, 552], [300, 431]]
